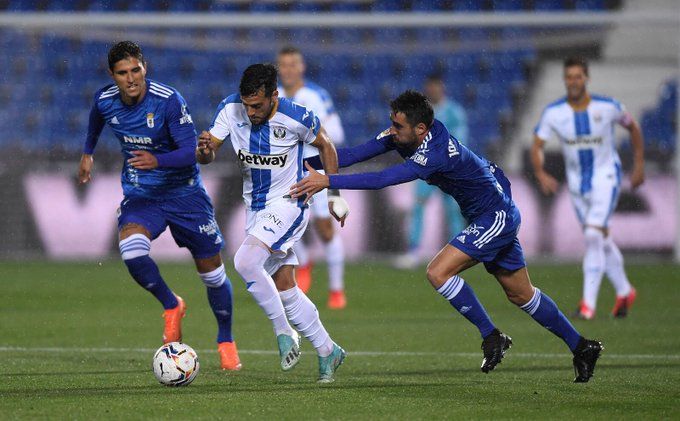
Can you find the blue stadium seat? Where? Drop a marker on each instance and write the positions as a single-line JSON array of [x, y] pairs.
[[508, 5], [467, 5], [548, 5]]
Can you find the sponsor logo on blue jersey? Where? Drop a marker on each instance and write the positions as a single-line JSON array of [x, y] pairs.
[[453, 150], [138, 140], [419, 159]]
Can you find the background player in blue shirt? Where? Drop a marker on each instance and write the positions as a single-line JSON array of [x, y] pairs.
[[484, 196], [162, 188]]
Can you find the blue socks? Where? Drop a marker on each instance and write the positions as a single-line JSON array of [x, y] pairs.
[[220, 299], [462, 298], [144, 270], [545, 311]]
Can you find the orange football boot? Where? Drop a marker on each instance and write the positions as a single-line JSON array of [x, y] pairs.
[[623, 304], [229, 359], [584, 312], [337, 300], [303, 277], [173, 322]]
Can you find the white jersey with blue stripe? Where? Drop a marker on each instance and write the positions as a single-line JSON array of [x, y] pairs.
[[587, 138], [270, 154], [317, 99]]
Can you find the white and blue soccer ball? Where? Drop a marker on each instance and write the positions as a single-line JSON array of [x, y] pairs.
[[175, 364]]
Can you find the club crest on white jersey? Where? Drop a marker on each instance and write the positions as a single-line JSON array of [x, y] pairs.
[[270, 154]]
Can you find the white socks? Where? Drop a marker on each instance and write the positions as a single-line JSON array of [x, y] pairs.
[[614, 268], [305, 317], [249, 263], [593, 266], [602, 255], [335, 256]]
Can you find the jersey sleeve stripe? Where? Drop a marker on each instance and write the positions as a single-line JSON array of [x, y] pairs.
[[161, 88], [159, 93]]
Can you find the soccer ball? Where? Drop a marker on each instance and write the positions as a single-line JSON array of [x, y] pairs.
[[175, 364]]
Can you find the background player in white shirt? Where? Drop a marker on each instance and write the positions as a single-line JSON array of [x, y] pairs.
[[268, 134], [584, 125], [294, 86]]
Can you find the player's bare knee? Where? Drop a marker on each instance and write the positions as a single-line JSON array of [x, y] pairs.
[[284, 278], [130, 229], [436, 276], [518, 298], [208, 264]]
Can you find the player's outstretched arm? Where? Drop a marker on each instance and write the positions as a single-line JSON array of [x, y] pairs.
[[637, 176], [548, 183], [396, 174], [350, 156]]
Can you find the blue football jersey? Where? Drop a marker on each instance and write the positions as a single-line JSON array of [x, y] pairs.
[[477, 185], [160, 123], [443, 161]]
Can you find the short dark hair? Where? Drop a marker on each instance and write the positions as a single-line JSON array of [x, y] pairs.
[[415, 106], [434, 77], [289, 49], [123, 50], [258, 76], [577, 61]]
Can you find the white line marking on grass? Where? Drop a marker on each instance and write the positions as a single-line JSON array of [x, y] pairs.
[[352, 353]]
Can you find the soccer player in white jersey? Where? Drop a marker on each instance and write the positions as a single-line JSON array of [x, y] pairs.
[[268, 134], [294, 86], [584, 123]]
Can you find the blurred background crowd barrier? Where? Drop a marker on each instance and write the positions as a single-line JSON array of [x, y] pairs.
[[500, 59]]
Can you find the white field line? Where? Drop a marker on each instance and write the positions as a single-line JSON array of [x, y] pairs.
[[19, 349]]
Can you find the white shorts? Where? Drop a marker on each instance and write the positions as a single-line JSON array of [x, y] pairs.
[[279, 225], [596, 207]]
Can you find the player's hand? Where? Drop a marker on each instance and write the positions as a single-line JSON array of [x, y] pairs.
[[85, 169], [637, 177], [310, 185], [143, 160], [205, 152], [338, 207], [548, 183], [205, 141]]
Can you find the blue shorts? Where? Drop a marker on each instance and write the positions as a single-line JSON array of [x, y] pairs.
[[191, 219], [492, 239]]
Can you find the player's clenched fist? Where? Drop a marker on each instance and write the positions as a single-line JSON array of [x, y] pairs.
[[85, 168], [205, 152]]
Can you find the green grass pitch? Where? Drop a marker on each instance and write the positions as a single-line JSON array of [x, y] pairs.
[[76, 342]]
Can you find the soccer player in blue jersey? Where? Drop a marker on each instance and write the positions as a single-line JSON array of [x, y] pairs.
[[484, 196], [162, 188], [454, 118]]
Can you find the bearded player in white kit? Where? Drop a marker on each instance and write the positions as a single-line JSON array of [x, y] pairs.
[[268, 134], [294, 86], [584, 124]]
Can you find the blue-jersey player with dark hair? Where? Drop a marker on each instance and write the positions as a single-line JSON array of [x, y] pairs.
[[162, 188], [483, 193]]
